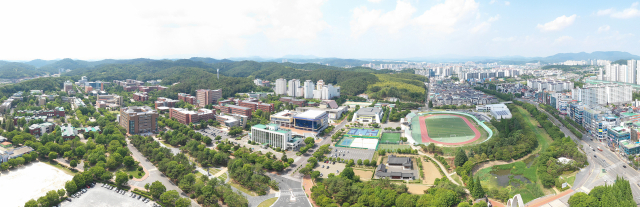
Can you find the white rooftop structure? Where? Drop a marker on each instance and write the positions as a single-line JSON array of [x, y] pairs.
[[311, 114]]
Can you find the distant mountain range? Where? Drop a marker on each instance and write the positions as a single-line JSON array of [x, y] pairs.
[[560, 57], [15, 69]]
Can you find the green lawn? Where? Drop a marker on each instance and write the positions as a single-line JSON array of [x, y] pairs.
[[392, 147], [541, 135], [133, 171], [446, 126], [268, 202], [223, 176], [239, 187], [520, 168]]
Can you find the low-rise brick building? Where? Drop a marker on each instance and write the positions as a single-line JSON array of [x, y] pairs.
[[141, 96], [185, 116], [165, 102]]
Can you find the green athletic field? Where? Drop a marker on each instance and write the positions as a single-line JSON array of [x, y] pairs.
[[392, 147], [390, 138], [444, 126]]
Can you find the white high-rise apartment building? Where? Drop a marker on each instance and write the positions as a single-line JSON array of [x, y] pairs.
[[550, 85], [603, 94], [330, 91], [293, 87], [319, 85], [308, 89], [281, 86]]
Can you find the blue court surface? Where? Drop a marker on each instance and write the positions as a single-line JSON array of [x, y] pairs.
[[363, 132]]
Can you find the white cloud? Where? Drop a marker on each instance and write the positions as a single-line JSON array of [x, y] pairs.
[[363, 19], [558, 23], [480, 28], [156, 29], [494, 18], [562, 39], [605, 12], [628, 12], [492, 2], [374, 1], [507, 3], [441, 18], [503, 39], [604, 28], [444, 17]]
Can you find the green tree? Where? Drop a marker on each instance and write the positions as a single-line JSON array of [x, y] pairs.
[[464, 204], [53, 155], [70, 187], [461, 157], [31, 203], [169, 198], [478, 191], [183, 202], [128, 161], [480, 204], [73, 163], [315, 174], [581, 199], [348, 173], [146, 186], [157, 189], [359, 161], [121, 178]]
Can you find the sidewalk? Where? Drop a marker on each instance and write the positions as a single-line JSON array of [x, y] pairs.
[[307, 183]]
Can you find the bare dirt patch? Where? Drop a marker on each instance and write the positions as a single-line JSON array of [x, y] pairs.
[[417, 188], [364, 175], [430, 172]]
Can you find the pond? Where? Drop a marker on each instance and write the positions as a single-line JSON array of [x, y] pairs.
[[529, 160], [504, 178]]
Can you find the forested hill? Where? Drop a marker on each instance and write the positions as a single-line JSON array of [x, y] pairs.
[[353, 81], [14, 70]]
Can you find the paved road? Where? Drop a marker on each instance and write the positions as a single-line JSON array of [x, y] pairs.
[[303, 159], [154, 174], [291, 192]]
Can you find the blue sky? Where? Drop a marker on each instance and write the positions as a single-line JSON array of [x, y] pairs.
[[383, 29]]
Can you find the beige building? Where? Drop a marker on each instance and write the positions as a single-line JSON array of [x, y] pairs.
[[136, 119], [206, 96]]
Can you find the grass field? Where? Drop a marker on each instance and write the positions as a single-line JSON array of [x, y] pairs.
[[443, 126], [392, 146], [133, 171], [541, 135], [268, 202], [392, 138], [241, 188]]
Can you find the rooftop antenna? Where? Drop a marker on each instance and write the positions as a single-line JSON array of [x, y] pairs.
[[218, 73]]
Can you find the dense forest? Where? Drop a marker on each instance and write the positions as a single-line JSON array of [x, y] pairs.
[[13, 70]]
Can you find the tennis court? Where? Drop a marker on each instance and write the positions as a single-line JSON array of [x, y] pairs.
[[390, 138], [345, 142], [363, 132]]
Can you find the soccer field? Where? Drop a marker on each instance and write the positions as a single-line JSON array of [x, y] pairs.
[[444, 126], [390, 138]]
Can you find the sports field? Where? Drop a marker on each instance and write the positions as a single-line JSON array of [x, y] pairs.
[[392, 146], [390, 138], [447, 126], [446, 129]]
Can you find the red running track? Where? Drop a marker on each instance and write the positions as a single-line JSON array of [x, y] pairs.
[[425, 134]]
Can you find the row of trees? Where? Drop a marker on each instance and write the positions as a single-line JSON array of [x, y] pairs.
[[178, 169]]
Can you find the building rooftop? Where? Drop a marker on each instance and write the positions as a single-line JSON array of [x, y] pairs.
[[369, 111], [311, 114]]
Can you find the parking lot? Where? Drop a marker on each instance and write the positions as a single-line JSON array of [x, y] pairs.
[[350, 153], [102, 197], [326, 168]]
